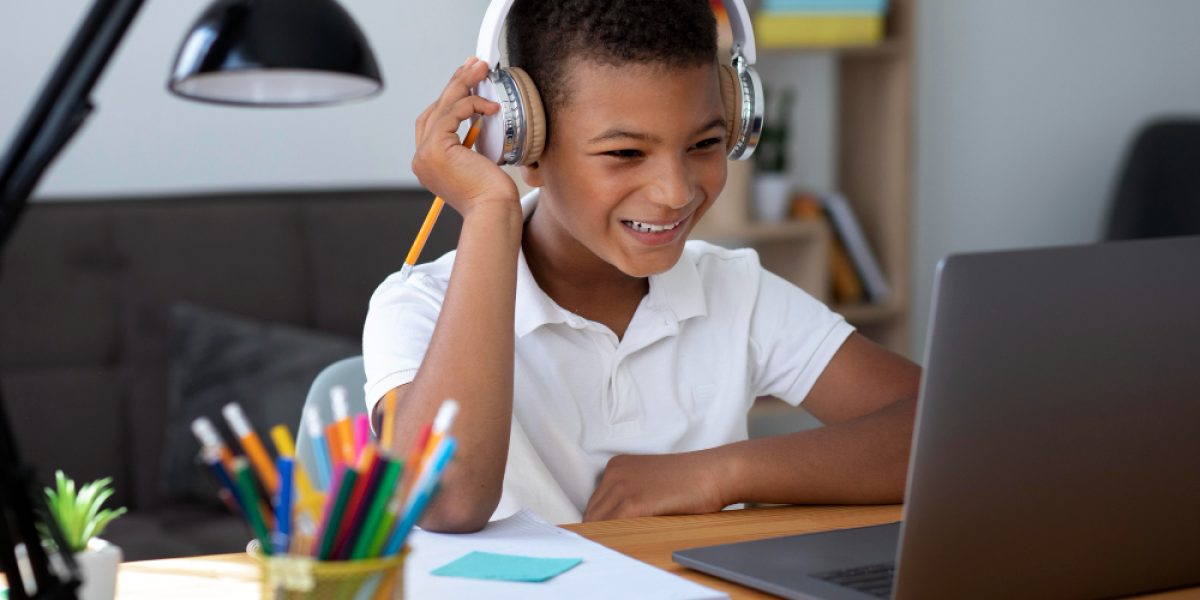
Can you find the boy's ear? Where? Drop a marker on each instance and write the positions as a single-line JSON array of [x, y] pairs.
[[532, 174]]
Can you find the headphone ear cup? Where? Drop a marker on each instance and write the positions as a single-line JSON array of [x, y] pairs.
[[535, 116], [731, 97]]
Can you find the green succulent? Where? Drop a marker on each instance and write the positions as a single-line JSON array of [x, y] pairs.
[[79, 514]]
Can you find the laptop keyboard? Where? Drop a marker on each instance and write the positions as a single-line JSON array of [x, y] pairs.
[[875, 580]]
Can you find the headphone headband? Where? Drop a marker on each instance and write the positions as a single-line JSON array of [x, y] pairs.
[[488, 46]]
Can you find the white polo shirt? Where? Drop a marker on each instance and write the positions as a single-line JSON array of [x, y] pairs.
[[713, 333]]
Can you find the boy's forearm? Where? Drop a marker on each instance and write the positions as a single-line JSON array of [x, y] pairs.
[[862, 461], [470, 359]]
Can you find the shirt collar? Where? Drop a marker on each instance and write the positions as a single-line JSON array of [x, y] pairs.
[[677, 290]]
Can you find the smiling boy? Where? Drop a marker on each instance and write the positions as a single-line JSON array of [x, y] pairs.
[[605, 366]]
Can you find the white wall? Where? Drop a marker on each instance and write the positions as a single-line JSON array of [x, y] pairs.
[[1024, 111], [142, 140]]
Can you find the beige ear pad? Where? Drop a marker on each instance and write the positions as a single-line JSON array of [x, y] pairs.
[[535, 116], [731, 96]]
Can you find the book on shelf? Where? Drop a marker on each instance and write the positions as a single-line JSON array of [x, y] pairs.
[[847, 229], [844, 282], [820, 23]]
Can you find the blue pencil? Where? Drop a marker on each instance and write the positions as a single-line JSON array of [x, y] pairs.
[[422, 494], [283, 505], [316, 433], [213, 459]]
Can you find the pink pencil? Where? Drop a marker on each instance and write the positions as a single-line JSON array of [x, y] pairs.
[[362, 434]]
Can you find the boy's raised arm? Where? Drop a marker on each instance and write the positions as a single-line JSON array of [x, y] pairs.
[[470, 357]]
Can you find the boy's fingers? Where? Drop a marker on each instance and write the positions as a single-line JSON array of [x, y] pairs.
[[462, 110], [461, 83], [422, 119]]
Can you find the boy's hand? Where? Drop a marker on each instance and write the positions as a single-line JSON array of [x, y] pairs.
[[463, 178], [663, 484]]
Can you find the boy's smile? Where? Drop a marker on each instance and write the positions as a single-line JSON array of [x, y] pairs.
[[636, 156]]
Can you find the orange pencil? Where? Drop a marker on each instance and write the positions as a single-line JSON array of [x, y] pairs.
[[333, 440], [341, 419], [263, 465]]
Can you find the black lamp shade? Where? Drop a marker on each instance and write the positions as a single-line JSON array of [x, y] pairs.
[[275, 53]]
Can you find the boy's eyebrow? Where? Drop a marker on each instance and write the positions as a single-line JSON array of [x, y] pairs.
[[618, 133]]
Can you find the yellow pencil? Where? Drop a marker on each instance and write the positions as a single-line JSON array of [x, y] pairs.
[[389, 421], [311, 501], [431, 217]]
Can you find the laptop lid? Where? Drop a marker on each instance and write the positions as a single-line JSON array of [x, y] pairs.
[[1057, 449]]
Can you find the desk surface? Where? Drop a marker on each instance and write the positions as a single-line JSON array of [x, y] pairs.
[[649, 539]]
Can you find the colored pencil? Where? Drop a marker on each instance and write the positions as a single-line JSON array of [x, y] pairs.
[[431, 217], [309, 500], [316, 435], [370, 469], [422, 494], [342, 422], [362, 433], [245, 482], [283, 505], [371, 524], [389, 421], [336, 508], [252, 445]]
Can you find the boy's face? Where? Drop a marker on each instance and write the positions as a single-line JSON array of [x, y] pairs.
[[637, 156]]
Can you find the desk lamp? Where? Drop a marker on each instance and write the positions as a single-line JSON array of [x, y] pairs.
[[271, 53]]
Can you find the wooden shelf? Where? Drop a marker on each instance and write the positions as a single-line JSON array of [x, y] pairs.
[[869, 314], [872, 145], [756, 232]]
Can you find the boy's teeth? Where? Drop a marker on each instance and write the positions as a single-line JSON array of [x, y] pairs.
[[647, 228]]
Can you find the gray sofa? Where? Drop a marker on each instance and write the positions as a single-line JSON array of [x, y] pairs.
[[86, 299]]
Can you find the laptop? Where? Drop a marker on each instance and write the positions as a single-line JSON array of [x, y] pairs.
[[1056, 452]]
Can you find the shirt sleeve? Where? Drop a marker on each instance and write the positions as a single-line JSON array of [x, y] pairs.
[[399, 325], [793, 336]]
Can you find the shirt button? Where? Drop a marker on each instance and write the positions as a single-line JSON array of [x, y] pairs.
[[575, 322]]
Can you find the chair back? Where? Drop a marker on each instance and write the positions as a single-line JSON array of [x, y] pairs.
[[1158, 194], [347, 373]]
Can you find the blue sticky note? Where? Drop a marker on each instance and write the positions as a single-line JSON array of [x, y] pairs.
[[506, 567]]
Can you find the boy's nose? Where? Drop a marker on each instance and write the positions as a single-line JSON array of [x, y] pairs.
[[673, 185]]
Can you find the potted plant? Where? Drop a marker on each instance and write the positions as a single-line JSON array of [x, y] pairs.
[[80, 515], [772, 184]]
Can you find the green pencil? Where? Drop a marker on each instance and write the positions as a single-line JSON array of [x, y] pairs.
[[334, 523], [245, 483], [391, 512], [383, 493]]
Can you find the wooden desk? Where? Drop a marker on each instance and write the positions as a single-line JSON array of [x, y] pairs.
[[649, 539]]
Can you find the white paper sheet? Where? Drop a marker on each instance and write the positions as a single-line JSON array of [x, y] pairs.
[[604, 573]]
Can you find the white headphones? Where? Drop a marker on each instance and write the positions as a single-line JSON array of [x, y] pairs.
[[516, 134]]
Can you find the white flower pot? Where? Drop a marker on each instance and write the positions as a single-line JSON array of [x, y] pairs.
[[98, 570], [772, 197]]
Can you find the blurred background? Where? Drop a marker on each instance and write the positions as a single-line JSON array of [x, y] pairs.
[[1024, 110], [178, 255]]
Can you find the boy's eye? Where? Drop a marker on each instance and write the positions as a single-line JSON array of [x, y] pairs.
[[625, 153], [709, 143]]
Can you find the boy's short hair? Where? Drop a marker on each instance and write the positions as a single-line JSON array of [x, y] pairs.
[[545, 35]]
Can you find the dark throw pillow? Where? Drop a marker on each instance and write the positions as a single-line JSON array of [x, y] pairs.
[[214, 358]]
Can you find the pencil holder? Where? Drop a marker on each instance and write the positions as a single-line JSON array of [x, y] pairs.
[[294, 577]]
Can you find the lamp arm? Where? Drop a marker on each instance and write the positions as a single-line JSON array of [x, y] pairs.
[[61, 108]]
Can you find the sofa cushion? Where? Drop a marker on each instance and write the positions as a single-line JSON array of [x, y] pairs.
[[215, 358]]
